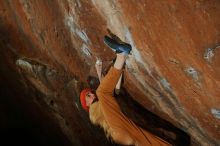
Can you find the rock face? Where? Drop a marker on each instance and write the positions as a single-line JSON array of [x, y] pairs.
[[49, 48]]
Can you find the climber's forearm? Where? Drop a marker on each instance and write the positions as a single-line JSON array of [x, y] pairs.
[[99, 73], [98, 67], [100, 76]]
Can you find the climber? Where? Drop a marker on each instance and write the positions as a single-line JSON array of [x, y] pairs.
[[104, 110]]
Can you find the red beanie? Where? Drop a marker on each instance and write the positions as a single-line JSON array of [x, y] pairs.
[[83, 98]]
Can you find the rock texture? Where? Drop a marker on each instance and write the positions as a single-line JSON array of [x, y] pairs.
[[49, 48]]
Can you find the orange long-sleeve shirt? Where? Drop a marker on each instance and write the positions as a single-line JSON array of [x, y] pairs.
[[123, 130]]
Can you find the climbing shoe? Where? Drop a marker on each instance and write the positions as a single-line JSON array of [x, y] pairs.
[[116, 46]]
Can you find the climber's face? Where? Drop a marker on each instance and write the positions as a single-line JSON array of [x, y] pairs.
[[90, 98]]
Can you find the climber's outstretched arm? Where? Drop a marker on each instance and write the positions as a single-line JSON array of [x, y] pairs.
[[108, 83], [98, 66]]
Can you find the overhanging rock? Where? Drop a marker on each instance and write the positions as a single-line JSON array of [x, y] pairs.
[[174, 69]]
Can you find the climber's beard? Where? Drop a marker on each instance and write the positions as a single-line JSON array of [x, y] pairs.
[[95, 100]]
